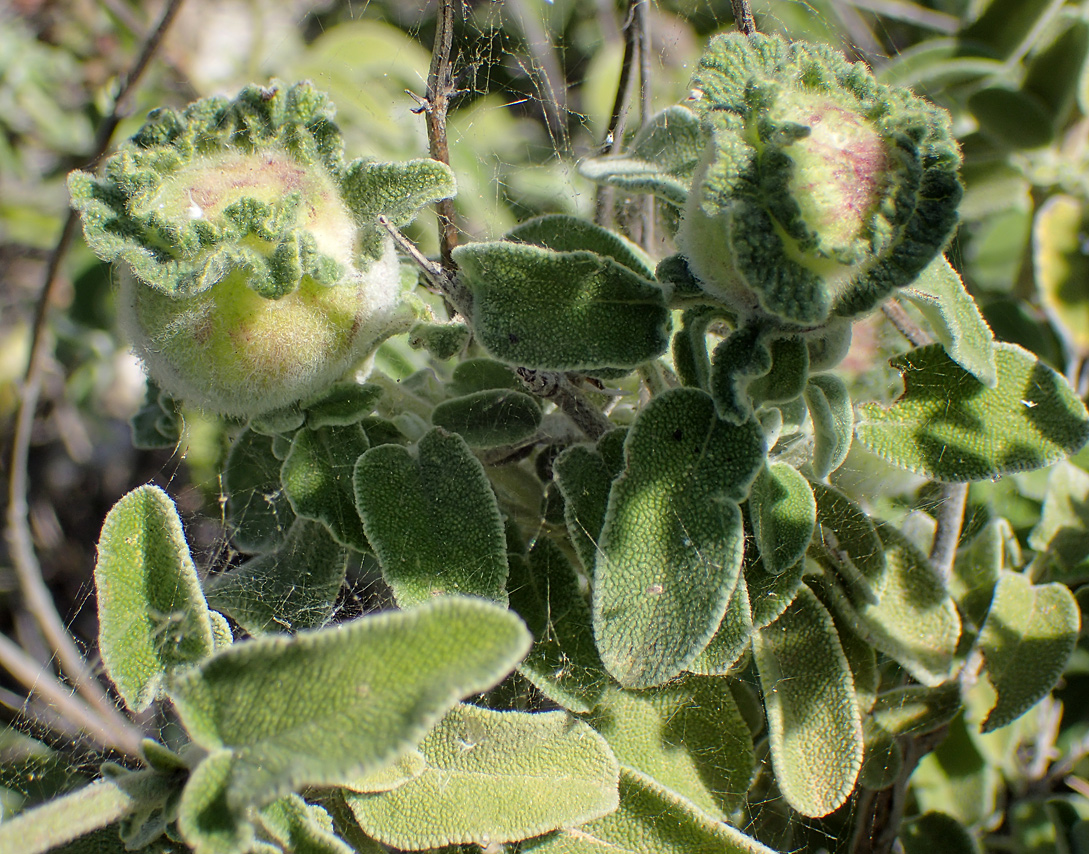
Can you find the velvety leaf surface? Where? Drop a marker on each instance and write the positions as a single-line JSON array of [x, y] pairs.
[[770, 594], [562, 311], [688, 736], [1063, 530], [731, 638], [977, 567], [302, 828], [833, 419], [563, 664], [480, 374], [258, 512], [673, 540], [1026, 640], [317, 477], [649, 820], [584, 479], [813, 720], [487, 419], [441, 340], [432, 520], [847, 540], [495, 777], [784, 514], [362, 693], [152, 616], [409, 766], [789, 372], [343, 404], [563, 233], [289, 589], [949, 426], [1061, 266], [916, 709], [206, 819], [736, 362], [955, 319]]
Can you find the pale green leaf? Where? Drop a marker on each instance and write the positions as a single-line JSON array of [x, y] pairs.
[[688, 736], [649, 820], [672, 542], [1063, 530], [847, 541], [301, 828], [342, 404], [292, 588], [562, 311], [495, 777], [487, 419], [770, 594], [584, 478], [955, 318], [208, 822], [1026, 640], [814, 727], [441, 340], [916, 709], [936, 833], [731, 638], [784, 514], [976, 569], [317, 477], [432, 520], [563, 233], [258, 512], [829, 404], [949, 426], [362, 693], [1061, 265], [409, 766], [152, 616]]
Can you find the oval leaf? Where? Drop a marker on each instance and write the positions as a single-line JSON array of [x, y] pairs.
[[495, 777], [258, 512], [673, 540], [362, 693], [152, 616], [949, 426], [784, 514], [487, 419], [829, 404]]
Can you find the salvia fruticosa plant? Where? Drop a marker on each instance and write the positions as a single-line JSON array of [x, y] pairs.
[[626, 608]]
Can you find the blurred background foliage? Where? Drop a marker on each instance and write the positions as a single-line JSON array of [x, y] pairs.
[[537, 81]]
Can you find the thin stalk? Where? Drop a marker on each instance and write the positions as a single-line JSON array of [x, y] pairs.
[[36, 595], [743, 17], [907, 327], [943, 551], [614, 132], [440, 90], [641, 23]]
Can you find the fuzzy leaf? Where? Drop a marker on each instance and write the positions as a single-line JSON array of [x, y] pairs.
[[433, 520], [784, 514], [662, 158], [731, 638], [302, 828], [1061, 265], [317, 477], [563, 664], [949, 426], [813, 720], [689, 737], [258, 512], [771, 594], [343, 404], [362, 693], [472, 375], [916, 709], [977, 567], [409, 766], [650, 820], [563, 233], [1026, 640], [829, 404], [584, 479], [289, 589], [562, 311], [737, 360], [954, 316], [672, 542], [789, 371], [152, 616], [488, 419], [494, 777], [441, 340], [848, 542], [1063, 529], [206, 818]]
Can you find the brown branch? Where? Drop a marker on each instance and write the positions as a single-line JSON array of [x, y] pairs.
[[440, 89], [614, 132], [907, 327], [743, 17], [36, 595]]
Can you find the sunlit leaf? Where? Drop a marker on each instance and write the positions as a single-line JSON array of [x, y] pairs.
[[830, 410], [302, 827], [487, 419], [731, 638], [1061, 265], [1063, 530], [784, 514], [569, 234]]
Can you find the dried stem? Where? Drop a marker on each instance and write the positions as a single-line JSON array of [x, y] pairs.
[[36, 595], [947, 534], [614, 132], [743, 17], [907, 327], [440, 89]]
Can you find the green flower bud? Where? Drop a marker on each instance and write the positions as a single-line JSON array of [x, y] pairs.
[[819, 191], [259, 273]]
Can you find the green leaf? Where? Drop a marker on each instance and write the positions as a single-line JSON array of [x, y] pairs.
[[829, 404], [954, 316], [813, 720], [1013, 117], [563, 664], [488, 419], [672, 542], [689, 737], [258, 512], [433, 520], [662, 158], [731, 638], [563, 233], [343, 404], [302, 828], [584, 479], [441, 340], [289, 589], [847, 541], [784, 514], [206, 818], [317, 477], [409, 766], [152, 617], [362, 693], [1026, 640], [789, 371], [736, 361], [771, 594], [1063, 529], [936, 833], [1061, 267], [949, 426], [562, 311], [474, 375], [916, 709], [650, 820], [494, 777], [977, 567], [914, 622]]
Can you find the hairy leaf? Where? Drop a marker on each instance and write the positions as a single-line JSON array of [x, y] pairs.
[[302, 828], [258, 512], [584, 478], [813, 719], [495, 777], [1061, 266], [1026, 640], [731, 638], [361, 693], [847, 541], [1063, 530], [784, 514], [206, 818], [342, 404], [829, 404], [673, 540], [433, 520], [152, 616], [949, 426], [487, 419], [563, 233]]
